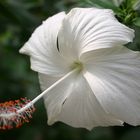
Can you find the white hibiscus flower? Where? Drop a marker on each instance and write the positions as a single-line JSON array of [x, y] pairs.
[[99, 78]]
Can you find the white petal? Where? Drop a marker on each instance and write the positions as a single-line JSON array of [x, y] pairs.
[[46, 81], [81, 108], [73, 102], [55, 98], [86, 29], [114, 76], [42, 47]]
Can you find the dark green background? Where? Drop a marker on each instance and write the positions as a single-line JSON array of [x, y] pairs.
[[18, 19]]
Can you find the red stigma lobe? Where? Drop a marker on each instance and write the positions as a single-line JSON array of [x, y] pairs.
[[9, 116]]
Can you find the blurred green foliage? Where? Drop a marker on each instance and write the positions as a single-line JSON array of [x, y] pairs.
[[18, 19]]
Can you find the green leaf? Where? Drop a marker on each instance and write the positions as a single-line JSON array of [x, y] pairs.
[[137, 21], [99, 3]]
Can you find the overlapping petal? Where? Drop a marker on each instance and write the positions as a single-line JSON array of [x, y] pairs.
[[55, 98], [82, 109], [86, 29], [42, 47], [74, 103], [113, 75]]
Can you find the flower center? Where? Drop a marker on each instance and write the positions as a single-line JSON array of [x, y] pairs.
[[77, 65]]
